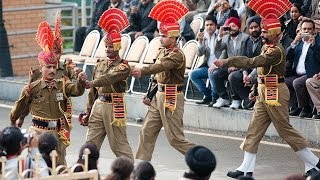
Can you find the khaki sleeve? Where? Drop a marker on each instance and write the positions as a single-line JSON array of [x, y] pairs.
[[174, 60], [75, 89], [271, 57], [21, 107], [120, 73], [91, 98]]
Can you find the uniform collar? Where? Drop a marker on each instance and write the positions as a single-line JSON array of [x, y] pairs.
[[43, 84]]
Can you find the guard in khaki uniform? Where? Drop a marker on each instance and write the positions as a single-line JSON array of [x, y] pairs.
[[272, 102], [166, 109], [66, 68], [48, 98], [106, 96]]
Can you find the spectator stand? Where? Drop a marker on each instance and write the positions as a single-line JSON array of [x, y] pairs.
[[140, 86], [87, 51], [136, 54], [192, 59]]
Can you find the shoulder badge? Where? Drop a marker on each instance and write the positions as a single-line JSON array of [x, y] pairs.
[[122, 66], [271, 49]]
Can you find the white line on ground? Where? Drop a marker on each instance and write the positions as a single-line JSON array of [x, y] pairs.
[[196, 133]]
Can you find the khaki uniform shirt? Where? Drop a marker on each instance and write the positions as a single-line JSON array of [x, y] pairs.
[[43, 102], [271, 56], [169, 67], [109, 77]]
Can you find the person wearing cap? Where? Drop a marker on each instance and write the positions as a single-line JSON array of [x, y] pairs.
[[166, 109], [241, 81], [64, 69], [48, 99], [231, 41], [303, 55], [201, 162], [106, 105], [272, 102]]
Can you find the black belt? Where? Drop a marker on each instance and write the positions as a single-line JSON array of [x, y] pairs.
[[161, 88], [46, 125], [261, 80], [105, 98]]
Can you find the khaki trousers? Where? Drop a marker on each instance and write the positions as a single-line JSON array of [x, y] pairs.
[[313, 86], [157, 117], [264, 114], [100, 125], [61, 149]]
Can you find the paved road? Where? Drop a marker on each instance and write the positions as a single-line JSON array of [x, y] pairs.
[[274, 161]]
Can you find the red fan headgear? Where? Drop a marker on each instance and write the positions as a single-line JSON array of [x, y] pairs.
[[168, 12], [57, 43], [270, 12], [113, 21], [45, 39]]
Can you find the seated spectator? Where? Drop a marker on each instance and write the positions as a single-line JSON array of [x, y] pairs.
[[127, 6], [316, 16], [121, 169], [12, 142], [245, 13], [201, 162], [144, 171], [293, 22], [313, 86], [232, 41], [47, 143], [240, 81], [140, 23], [98, 7], [93, 157], [285, 40], [206, 70], [222, 11], [303, 60], [201, 6]]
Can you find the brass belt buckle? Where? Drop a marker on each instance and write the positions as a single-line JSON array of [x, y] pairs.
[[52, 124]]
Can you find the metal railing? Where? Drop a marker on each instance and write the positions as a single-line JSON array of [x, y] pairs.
[[62, 6]]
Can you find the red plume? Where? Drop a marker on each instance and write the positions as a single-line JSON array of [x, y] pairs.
[[113, 20], [45, 36], [270, 8], [168, 11]]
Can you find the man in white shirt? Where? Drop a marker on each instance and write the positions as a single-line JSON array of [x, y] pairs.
[[206, 40], [302, 63]]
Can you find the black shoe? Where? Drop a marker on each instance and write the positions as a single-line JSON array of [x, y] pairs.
[[205, 100], [236, 174], [294, 111], [247, 104], [214, 100], [306, 112], [311, 172], [316, 116]]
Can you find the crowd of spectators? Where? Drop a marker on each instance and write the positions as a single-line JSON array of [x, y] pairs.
[[231, 28]]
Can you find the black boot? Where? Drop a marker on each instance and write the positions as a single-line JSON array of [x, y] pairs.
[[294, 111], [306, 112], [235, 174], [311, 172], [205, 100]]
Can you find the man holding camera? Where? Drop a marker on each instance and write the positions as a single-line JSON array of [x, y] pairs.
[[232, 41], [206, 40], [303, 62]]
